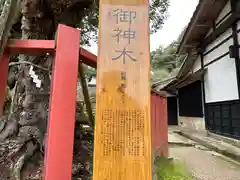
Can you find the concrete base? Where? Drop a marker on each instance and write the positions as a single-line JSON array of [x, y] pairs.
[[231, 141], [176, 140], [192, 123], [221, 147]]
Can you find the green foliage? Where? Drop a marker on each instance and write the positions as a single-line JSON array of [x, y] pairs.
[[160, 74], [170, 170], [89, 23], [165, 60], [158, 12], [91, 72]]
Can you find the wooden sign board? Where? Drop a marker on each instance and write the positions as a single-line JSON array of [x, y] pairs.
[[122, 147]]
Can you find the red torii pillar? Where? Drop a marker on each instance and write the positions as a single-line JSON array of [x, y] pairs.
[[4, 61], [66, 53]]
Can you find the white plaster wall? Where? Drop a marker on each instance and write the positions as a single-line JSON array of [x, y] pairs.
[[220, 78], [238, 37], [224, 48], [219, 39], [197, 64], [225, 10], [238, 25], [221, 81]]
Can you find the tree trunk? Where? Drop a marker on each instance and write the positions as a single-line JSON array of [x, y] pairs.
[[22, 133]]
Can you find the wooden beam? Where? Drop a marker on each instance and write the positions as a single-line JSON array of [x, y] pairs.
[[190, 27], [122, 145], [4, 60], [203, 25], [86, 95], [41, 47], [220, 29], [190, 45], [88, 58], [31, 47], [62, 107]]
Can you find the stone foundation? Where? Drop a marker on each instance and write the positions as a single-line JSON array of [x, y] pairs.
[[192, 123]]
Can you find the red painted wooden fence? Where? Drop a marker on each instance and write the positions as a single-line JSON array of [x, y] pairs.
[[159, 125], [66, 53], [61, 117]]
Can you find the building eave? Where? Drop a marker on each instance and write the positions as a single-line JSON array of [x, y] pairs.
[[200, 23], [190, 26]]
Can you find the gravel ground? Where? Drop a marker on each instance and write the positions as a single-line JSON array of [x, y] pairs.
[[204, 164]]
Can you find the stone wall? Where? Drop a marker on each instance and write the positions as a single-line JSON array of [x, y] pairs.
[[192, 123]]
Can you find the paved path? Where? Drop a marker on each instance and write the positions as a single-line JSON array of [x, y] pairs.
[[203, 163]]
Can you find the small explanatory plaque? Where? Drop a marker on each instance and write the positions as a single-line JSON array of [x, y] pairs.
[[122, 147]]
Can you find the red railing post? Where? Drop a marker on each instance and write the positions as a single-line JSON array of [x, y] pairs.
[[60, 137], [4, 61]]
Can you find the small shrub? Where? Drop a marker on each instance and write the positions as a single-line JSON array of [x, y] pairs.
[[171, 170]]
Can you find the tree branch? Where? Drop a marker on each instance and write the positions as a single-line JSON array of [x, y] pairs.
[[26, 62]]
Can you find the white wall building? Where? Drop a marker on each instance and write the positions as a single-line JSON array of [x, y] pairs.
[[208, 84]]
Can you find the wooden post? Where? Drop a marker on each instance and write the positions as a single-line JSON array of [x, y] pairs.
[[122, 149], [59, 147], [86, 95], [4, 61]]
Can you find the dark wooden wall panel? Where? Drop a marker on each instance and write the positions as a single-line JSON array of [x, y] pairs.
[[190, 100], [172, 111], [224, 118]]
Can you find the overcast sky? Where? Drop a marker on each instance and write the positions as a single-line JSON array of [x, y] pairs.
[[180, 12]]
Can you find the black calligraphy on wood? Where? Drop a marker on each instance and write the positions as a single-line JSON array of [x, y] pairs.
[[124, 16], [123, 132]]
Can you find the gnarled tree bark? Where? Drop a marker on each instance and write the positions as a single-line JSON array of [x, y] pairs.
[[23, 131]]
